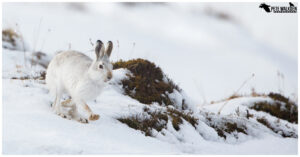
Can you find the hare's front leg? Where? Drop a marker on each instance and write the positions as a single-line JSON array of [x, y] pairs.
[[92, 116]]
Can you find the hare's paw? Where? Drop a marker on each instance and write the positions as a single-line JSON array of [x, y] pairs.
[[94, 117], [79, 118], [83, 120], [65, 116]]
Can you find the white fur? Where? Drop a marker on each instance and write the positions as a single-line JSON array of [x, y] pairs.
[[80, 77]]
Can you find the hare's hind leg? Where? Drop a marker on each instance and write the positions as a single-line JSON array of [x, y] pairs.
[[58, 107], [54, 103], [73, 111]]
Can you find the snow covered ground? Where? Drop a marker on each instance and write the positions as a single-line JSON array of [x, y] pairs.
[[208, 57]]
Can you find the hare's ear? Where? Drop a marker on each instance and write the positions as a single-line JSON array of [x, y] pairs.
[[99, 49], [109, 48]]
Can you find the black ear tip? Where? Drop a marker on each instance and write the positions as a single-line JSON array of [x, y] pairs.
[[99, 42]]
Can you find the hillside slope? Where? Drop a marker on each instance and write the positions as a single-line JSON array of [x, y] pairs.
[[207, 57], [30, 127]]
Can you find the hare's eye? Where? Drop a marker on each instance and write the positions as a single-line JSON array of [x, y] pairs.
[[101, 66]]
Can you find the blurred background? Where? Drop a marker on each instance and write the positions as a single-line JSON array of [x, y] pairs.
[[209, 49]]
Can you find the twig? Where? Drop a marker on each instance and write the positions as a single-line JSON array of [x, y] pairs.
[[132, 50], [282, 81], [36, 40], [23, 44], [279, 80], [118, 46], [200, 91], [49, 30], [89, 50], [37, 35], [236, 92], [91, 42]]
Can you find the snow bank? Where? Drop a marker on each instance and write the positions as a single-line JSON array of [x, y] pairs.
[[30, 127]]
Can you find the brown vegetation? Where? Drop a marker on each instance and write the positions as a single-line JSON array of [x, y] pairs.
[[158, 120], [282, 107], [147, 84]]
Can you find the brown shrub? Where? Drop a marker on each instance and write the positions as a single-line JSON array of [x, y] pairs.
[[229, 127], [265, 122], [282, 108], [158, 120], [147, 84], [9, 35]]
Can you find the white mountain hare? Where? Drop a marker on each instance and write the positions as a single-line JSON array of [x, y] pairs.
[[80, 77]]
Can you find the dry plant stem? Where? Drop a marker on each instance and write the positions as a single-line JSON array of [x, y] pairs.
[[236, 92], [91, 42], [24, 52], [200, 91], [118, 46], [37, 35], [132, 51], [279, 86], [23, 44], [36, 38], [44, 41], [280, 82]]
